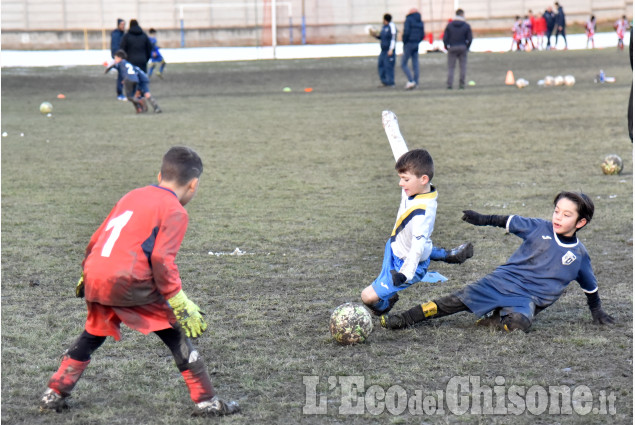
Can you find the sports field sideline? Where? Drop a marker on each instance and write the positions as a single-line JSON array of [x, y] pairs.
[[23, 58]]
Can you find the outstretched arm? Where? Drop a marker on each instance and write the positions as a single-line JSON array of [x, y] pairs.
[[477, 219]]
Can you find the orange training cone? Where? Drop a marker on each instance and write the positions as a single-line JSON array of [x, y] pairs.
[[509, 79]]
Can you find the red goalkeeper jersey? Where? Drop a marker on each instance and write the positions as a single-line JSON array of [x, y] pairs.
[[130, 259]]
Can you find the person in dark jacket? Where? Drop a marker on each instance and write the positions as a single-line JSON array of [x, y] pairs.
[[386, 62], [413, 33], [550, 20], [457, 39], [137, 46], [560, 26], [115, 40]]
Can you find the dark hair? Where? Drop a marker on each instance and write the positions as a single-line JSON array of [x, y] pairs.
[[122, 54], [181, 164], [459, 12], [134, 23], [152, 31], [418, 162], [582, 201], [387, 17]]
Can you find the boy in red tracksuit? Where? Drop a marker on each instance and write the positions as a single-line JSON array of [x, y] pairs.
[[129, 276]]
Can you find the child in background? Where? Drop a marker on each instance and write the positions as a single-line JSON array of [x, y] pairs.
[[534, 277], [136, 83], [590, 32], [129, 275], [621, 26], [527, 30], [156, 58], [517, 35]]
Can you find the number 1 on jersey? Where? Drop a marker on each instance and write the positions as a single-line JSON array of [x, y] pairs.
[[116, 224]]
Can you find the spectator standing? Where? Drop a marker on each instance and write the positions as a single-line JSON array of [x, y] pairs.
[[550, 23], [517, 34], [115, 40], [561, 25], [527, 30], [137, 46], [457, 39], [157, 57], [621, 26], [386, 62], [590, 32], [540, 29], [413, 34]]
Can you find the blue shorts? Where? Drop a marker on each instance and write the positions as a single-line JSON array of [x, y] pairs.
[[383, 284], [144, 84], [484, 295]]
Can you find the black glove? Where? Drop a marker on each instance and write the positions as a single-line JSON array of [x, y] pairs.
[[398, 279], [477, 219], [600, 317]]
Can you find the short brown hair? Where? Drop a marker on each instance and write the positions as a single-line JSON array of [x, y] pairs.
[[418, 162], [181, 164]]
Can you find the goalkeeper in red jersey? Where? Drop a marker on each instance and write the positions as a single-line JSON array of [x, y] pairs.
[[129, 276]]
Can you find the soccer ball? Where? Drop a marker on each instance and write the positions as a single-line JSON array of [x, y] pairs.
[[558, 81], [46, 108], [549, 80], [612, 164], [350, 324], [569, 80], [521, 83]]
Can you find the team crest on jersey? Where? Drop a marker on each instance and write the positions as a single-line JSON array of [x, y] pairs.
[[568, 258]]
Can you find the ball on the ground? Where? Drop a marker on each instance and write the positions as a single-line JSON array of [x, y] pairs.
[[521, 83], [558, 80], [612, 164], [351, 324], [46, 108], [569, 80], [549, 80]]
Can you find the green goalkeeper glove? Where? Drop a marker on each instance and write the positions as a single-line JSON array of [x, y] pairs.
[[188, 314], [79, 288]]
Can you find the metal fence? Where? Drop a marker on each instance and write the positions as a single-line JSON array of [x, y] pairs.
[[249, 22]]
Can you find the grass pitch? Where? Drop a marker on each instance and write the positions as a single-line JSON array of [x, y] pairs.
[[303, 183]]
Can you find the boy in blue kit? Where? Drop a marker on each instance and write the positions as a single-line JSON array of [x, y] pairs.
[[409, 250], [156, 58], [136, 83], [534, 277]]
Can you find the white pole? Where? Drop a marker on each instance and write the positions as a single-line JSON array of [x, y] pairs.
[[456, 5], [274, 35]]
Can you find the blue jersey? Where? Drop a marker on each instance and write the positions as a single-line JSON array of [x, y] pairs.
[[535, 275], [156, 54], [127, 71]]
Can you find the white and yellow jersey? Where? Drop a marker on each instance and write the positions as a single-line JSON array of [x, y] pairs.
[[411, 237]]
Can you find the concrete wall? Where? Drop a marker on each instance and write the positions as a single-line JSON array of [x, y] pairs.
[[80, 24]]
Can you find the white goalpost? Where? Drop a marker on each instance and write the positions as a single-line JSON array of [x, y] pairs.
[[274, 17]]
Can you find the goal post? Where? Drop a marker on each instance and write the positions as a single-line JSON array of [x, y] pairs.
[[274, 5]]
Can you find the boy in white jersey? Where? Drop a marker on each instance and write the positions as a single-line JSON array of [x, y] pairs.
[[534, 277], [409, 250]]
